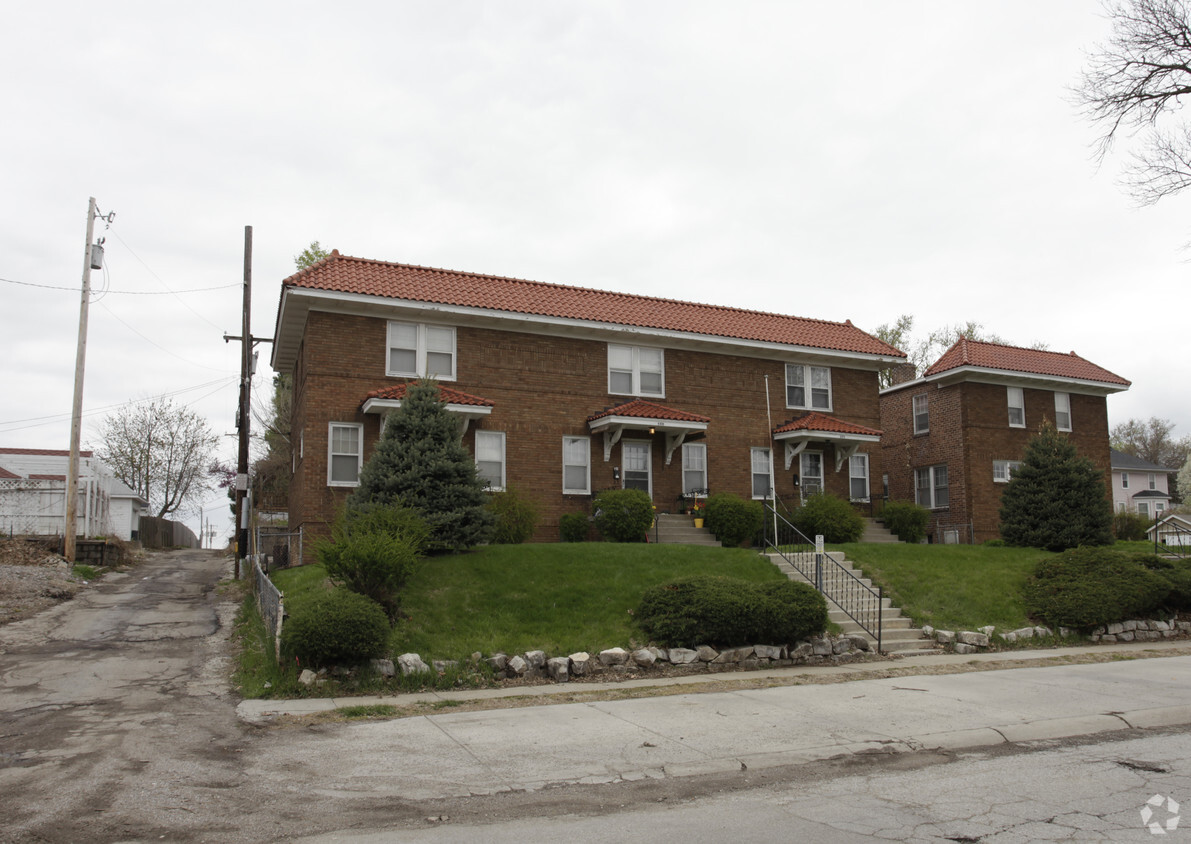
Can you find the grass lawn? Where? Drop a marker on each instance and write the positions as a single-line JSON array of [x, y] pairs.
[[557, 597], [953, 587]]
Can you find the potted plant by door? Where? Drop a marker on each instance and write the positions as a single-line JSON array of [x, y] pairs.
[[697, 514]]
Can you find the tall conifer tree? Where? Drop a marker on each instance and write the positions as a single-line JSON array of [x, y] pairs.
[[421, 462], [1056, 499]]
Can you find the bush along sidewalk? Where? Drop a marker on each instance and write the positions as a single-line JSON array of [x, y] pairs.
[[615, 663]]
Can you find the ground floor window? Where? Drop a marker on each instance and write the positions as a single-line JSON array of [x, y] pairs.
[[576, 465], [345, 453], [760, 461], [1003, 470], [858, 477], [930, 486], [490, 458]]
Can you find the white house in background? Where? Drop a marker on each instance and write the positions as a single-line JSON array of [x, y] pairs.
[[1139, 486], [33, 495], [1174, 531]]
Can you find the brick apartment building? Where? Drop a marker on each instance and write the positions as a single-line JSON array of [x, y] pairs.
[[563, 391], [953, 437]]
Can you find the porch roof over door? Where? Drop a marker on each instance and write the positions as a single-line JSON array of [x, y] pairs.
[[641, 415], [816, 427]]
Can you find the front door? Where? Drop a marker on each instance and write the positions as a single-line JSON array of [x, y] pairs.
[[637, 462]]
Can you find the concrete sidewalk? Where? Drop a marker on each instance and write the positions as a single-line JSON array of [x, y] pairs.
[[451, 754]]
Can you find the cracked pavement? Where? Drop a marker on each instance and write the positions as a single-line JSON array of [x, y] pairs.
[[117, 724]]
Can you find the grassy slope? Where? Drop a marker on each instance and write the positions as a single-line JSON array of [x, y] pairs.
[[560, 598], [953, 587]]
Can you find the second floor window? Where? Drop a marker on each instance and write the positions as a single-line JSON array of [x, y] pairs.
[[808, 386], [921, 415], [636, 371], [1063, 411], [1017, 407], [421, 351]]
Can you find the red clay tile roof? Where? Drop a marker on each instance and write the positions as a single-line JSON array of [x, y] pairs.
[[7, 475], [822, 422], [43, 452], [446, 394], [641, 409], [967, 352], [344, 274]]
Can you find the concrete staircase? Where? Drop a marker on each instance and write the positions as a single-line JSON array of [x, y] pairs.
[[680, 530], [898, 634], [874, 531]]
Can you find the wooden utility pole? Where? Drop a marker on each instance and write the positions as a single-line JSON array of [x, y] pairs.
[[76, 415], [245, 407]]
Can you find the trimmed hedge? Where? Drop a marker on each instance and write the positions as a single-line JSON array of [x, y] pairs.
[[906, 519], [516, 516], [830, 516], [338, 628], [732, 519], [726, 611], [573, 527], [623, 515], [1089, 586], [373, 550]]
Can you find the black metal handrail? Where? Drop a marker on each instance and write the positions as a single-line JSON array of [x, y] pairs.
[[859, 601]]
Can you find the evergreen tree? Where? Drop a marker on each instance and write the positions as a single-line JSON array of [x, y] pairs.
[[421, 463], [1056, 499]]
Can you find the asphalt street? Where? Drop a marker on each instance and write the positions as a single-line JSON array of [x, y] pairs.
[[117, 723]]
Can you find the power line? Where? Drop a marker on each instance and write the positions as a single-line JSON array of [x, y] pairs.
[[124, 292], [162, 282], [41, 421], [156, 345]]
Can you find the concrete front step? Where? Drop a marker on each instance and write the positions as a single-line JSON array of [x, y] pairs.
[[897, 632], [680, 530], [874, 531]]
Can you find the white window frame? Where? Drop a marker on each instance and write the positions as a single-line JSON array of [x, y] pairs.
[[1003, 470], [634, 370], [859, 459], [1010, 394], [1063, 411], [932, 474], [1153, 481], [805, 458], [689, 461], [332, 454], [1143, 508], [492, 437], [421, 350], [921, 410], [802, 377], [754, 454], [1124, 480], [586, 465]]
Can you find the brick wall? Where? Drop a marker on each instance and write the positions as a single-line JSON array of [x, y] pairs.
[[544, 388], [969, 430]]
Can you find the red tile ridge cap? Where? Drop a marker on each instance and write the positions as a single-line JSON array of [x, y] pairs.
[[449, 395], [815, 421]]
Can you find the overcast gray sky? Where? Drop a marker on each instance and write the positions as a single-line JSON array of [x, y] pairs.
[[829, 160]]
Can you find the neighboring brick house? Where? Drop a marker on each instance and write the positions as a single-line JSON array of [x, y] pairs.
[[1139, 486], [953, 436], [564, 391]]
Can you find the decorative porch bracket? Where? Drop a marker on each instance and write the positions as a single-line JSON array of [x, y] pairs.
[[673, 441], [611, 438], [792, 451], [844, 454]]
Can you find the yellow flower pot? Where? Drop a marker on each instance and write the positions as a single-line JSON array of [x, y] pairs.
[[698, 523]]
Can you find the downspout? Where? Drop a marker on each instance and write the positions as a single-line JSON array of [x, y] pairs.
[[772, 479]]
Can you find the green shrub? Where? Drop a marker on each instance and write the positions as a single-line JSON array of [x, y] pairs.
[[623, 515], [337, 628], [373, 551], [516, 516], [573, 527], [1129, 527], [1177, 576], [1087, 586], [732, 519], [906, 519], [830, 516], [726, 611]]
